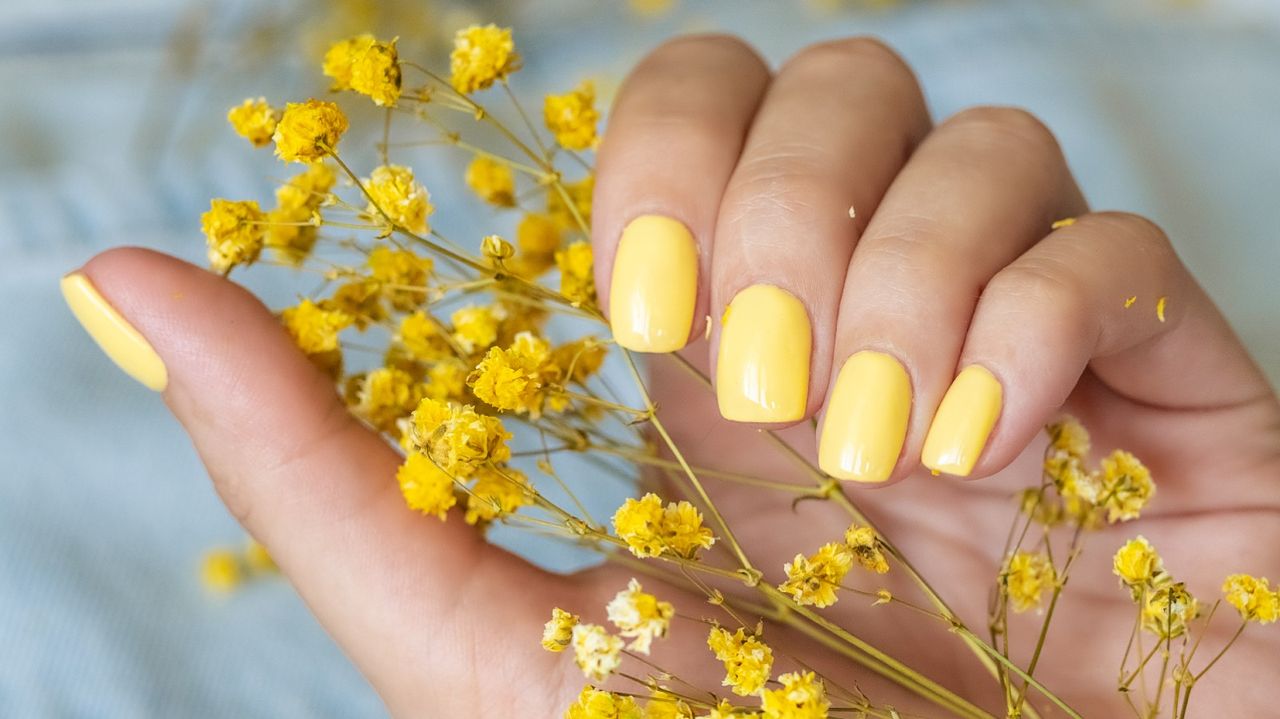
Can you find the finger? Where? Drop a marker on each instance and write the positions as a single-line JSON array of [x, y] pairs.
[[317, 488], [674, 135], [836, 126], [1064, 306], [980, 190]]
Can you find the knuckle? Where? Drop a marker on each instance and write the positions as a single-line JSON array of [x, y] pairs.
[[1046, 289], [1149, 244], [839, 55], [1006, 124]]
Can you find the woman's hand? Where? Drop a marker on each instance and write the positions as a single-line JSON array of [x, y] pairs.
[[901, 282]]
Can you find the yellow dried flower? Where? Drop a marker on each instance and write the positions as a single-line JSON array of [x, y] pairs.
[[313, 328], [639, 616], [665, 705], [1078, 489], [1168, 610], [426, 487], [476, 327], [481, 55], [558, 631], [802, 696], [456, 437], [446, 379], [596, 652], [361, 299], [537, 239], [422, 337], [492, 180], [1137, 564], [595, 703], [309, 131], [367, 66], [1126, 486], [393, 192], [1253, 597], [725, 710], [1068, 436], [254, 120], [815, 579], [747, 660], [401, 275], [386, 396], [866, 548], [572, 117], [650, 530], [579, 360], [257, 559], [234, 231], [577, 281], [496, 492], [1026, 577], [220, 570], [514, 379], [579, 193]]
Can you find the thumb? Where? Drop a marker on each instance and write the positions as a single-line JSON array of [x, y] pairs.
[[317, 488]]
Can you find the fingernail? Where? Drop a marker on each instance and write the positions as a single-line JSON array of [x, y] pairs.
[[122, 343], [866, 420], [655, 285], [964, 420], [762, 373]]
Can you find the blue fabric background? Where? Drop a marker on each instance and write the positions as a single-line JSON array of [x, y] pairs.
[[1171, 109]]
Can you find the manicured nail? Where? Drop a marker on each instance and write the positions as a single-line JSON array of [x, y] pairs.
[[762, 373], [122, 343], [655, 285], [964, 420], [866, 420]]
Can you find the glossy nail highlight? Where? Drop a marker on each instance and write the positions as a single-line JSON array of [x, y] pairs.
[[762, 372], [866, 419], [963, 422], [117, 338], [655, 285]]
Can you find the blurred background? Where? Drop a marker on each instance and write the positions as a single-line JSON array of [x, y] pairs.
[[112, 132]]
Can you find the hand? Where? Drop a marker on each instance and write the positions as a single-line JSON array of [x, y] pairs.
[[947, 262]]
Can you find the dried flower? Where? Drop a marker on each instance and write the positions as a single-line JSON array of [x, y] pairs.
[[456, 437], [596, 651], [386, 396], [572, 117], [476, 327], [578, 205], [401, 276], [496, 492], [747, 660], [220, 570], [639, 616], [651, 530], [866, 548], [367, 66], [514, 379], [393, 193], [1253, 597], [254, 120], [1137, 564], [815, 579], [258, 559], [802, 696], [1168, 610], [493, 181], [1126, 486], [577, 281], [313, 328], [595, 703], [426, 487], [1026, 577], [309, 131], [481, 55], [558, 631], [1069, 437], [422, 337], [234, 232]]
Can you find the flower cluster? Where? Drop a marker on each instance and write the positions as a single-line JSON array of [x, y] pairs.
[[651, 530]]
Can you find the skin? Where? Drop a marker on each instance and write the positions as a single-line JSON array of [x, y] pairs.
[[948, 262]]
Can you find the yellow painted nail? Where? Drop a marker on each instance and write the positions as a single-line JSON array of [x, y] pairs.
[[762, 372], [866, 419], [122, 343], [655, 285], [964, 420]]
